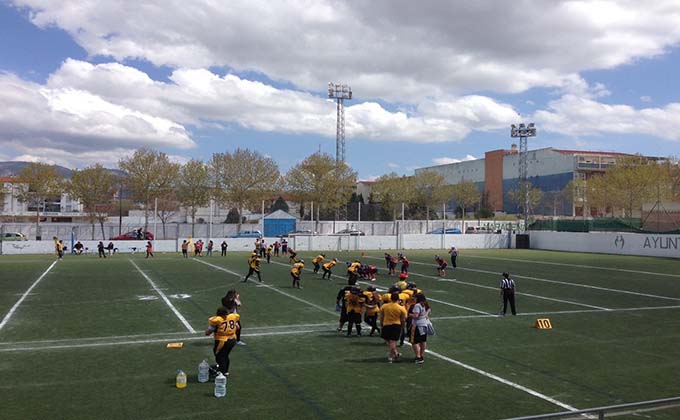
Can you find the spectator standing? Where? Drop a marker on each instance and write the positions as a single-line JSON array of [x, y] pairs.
[[454, 255], [185, 248], [224, 248], [420, 315], [149, 249], [210, 248], [277, 245], [111, 248], [100, 249]]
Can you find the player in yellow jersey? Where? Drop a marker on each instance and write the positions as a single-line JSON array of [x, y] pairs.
[[328, 267], [268, 253], [223, 327], [392, 321], [296, 273], [317, 262], [354, 301], [253, 267], [371, 308]]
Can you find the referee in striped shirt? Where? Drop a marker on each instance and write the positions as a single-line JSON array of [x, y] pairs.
[[508, 293]]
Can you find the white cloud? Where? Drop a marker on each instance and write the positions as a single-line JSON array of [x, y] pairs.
[[576, 116], [385, 49], [447, 160], [203, 97], [393, 165], [646, 98], [74, 121]]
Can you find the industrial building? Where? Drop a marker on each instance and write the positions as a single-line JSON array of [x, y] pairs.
[[549, 170]]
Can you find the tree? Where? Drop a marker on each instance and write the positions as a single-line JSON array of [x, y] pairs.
[[150, 175], [94, 187], [167, 207], [465, 194], [280, 204], [39, 182], [391, 190], [319, 179], [194, 188], [516, 196], [243, 178], [634, 180], [429, 189]]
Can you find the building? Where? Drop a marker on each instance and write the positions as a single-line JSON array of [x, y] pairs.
[[60, 208], [550, 170]]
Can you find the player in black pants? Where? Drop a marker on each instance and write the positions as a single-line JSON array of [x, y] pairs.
[[508, 293]]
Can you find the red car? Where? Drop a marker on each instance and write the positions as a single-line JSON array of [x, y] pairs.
[[132, 236]]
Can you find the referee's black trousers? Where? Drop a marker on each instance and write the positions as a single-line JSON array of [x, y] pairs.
[[509, 296]]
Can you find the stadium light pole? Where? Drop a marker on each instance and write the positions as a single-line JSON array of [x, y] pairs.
[[523, 131], [340, 92]]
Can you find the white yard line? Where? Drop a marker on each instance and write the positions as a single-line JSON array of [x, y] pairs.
[[623, 270], [112, 343], [165, 299], [502, 380], [381, 288], [5, 320], [583, 311], [495, 288], [321, 308], [587, 286]]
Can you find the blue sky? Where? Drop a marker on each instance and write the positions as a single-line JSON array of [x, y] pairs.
[[87, 82]]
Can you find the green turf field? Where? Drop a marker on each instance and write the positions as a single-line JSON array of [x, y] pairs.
[[88, 340]]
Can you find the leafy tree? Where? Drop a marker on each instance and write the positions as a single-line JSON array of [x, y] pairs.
[[465, 194], [94, 187], [516, 196], [193, 188], [39, 182], [243, 178], [320, 179], [151, 175], [429, 189], [280, 204], [391, 190], [633, 179]]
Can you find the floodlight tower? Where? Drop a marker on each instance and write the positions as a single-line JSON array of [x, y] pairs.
[[340, 92], [523, 131]]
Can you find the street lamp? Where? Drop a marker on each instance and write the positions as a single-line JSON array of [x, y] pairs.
[[523, 131]]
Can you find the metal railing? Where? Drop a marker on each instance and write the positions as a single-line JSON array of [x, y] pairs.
[[601, 411]]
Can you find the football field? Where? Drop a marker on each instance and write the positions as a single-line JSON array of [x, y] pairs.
[[85, 338]]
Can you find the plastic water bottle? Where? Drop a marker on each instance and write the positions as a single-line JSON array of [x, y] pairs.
[[181, 379], [203, 371], [220, 385]]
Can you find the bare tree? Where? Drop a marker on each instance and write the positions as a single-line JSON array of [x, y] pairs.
[[193, 188], [38, 183], [94, 187]]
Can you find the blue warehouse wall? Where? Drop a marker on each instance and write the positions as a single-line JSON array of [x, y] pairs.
[[278, 227], [548, 184]]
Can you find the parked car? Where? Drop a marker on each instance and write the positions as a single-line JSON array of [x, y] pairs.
[[474, 229], [247, 234], [448, 231], [133, 236], [350, 232], [305, 232], [14, 236]]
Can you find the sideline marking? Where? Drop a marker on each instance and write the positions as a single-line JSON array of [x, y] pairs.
[[586, 266], [165, 298], [5, 320], [503, 381], [270, 287], [152, 341], [495, 288], [587, 286]]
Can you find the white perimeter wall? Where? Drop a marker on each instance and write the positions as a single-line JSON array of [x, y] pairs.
[[299, 243], [608, 243]]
